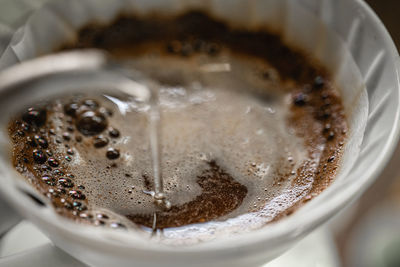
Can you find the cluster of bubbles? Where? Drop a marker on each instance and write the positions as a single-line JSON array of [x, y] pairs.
[[49, 164]]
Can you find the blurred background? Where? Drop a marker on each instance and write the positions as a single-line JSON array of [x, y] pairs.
[[368, 232]]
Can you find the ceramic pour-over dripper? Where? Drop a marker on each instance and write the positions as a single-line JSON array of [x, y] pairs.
[[346, 36]]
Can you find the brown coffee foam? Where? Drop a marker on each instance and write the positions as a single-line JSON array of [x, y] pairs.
[[207, 118], [195, 131]]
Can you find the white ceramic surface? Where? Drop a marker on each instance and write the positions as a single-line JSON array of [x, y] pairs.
[[26, 246], [353, 44]]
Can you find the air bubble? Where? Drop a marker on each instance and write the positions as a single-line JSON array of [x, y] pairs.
[[53, 162], [66, 182], [38, 156], [76, 194], [112, 153], [114, 133], [100, 141]]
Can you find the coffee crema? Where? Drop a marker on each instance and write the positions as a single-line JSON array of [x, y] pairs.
[[251, 130]]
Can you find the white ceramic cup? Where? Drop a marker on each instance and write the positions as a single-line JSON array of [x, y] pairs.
[[345, 35]]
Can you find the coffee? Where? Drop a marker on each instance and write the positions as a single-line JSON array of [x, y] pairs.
[[251, 130]]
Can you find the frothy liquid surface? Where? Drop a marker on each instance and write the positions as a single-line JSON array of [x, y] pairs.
[[244, 140]]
